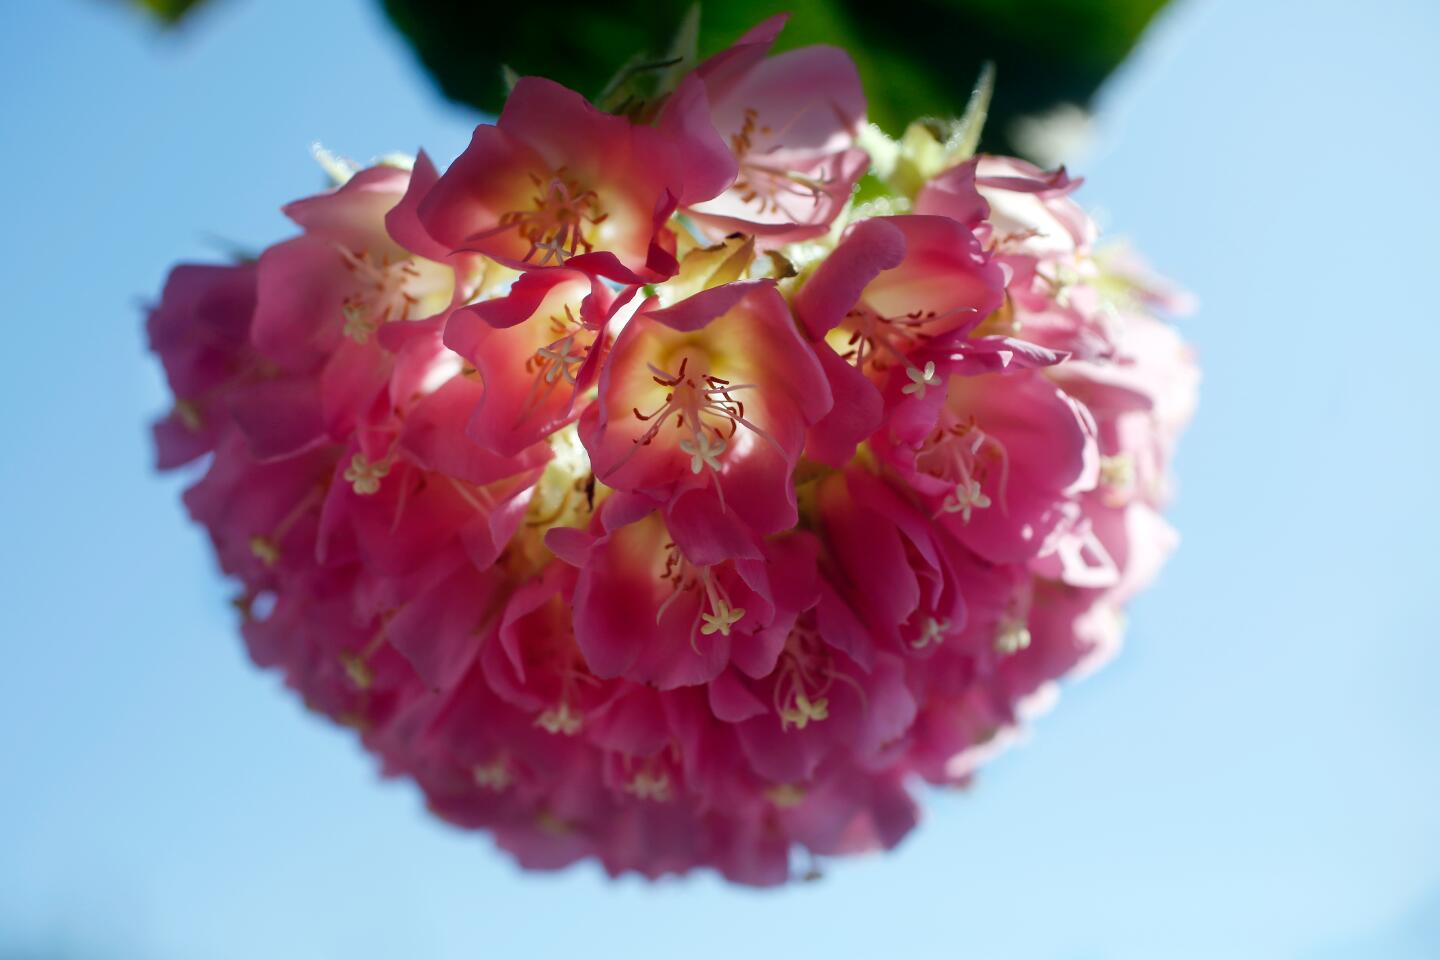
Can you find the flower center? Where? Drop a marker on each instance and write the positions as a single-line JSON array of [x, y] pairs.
[[717, 614], [766, 185], [558, 361], [561, 214], [564, 496], [803, 678], [266, 547], [494, 776], [1011, 636], [962, 454], [932, 633], [365, 476], [357, 662], [706, 412], [382, 292], [786, 795], [869, 338], [1118, 478], [560, 719], [650, 786]]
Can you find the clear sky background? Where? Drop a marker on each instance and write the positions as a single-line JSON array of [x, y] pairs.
[[1257, 775]]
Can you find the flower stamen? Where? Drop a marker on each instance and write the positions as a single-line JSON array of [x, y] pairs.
[[560, 719], [1011, 636], [931, 633], [494, 776], [364, 477], [920, 380], [382, 293], [555, 225]]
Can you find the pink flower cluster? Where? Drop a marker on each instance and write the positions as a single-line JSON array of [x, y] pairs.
[[644, 496]]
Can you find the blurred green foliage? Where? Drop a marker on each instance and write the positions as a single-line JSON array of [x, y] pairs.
[[917, 58], [168, 12]]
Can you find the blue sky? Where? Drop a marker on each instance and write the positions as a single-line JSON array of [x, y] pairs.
[[1256, 776]]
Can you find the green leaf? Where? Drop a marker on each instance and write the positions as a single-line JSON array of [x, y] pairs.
[[916, 59], [168, 12]]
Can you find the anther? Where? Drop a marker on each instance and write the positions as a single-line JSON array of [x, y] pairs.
[[560, 719], [189, 415], [494, 776], [1117, 471], [559, 359], [704, 451], [265, 550], [722, 619], [1012, 636], [365, 476], [933, 632], [786, 795], [920, 380], [804, 712], [650, 786], [357, 670], [966, 496]]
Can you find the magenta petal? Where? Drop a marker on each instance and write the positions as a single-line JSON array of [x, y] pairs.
[[731, 701], [301, 288], [435, 436], [486, 538], [953, 194], [402, 222], [707, 163], [352, 213], [279, 418], [437, 632], [354, 379], [706, 533], [869, 248], [857, 413], [470, 197], [872, 555], [633, 724], [524, 298], [570, 545], [842, 629], [696, 311], [890, 707]]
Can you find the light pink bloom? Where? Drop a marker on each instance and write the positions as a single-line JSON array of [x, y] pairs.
[[331, 304], [892, 298], [556, 180], [670, 571], [536, 349], [200, 330], [1006, 453], [714, 393], [790, 123], [651, 610]]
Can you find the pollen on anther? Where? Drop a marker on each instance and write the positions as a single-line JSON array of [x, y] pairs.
[[365, 476], [650, 786], [931, 633], [265, 550], [1012, 636], [724, 617], [920, 380], [494, 776], [786, 795], [560, 719], [357, 670], [189, 415]]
